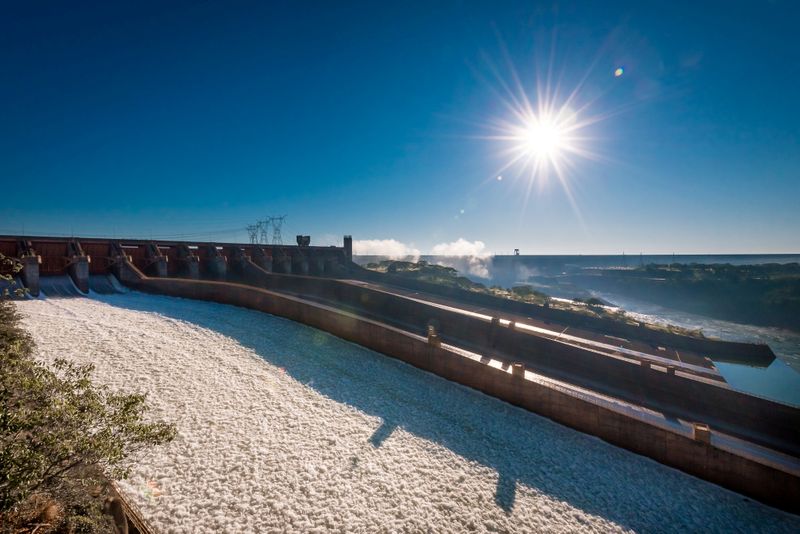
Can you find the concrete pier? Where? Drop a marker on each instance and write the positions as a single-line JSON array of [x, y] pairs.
[[29, 261], [214, 264], [318, 266], [348, 248], [188, 263], [237, 260], [281, 261], [262, 258], [300, 263], [30, 274], [78, 266], [156, 261]]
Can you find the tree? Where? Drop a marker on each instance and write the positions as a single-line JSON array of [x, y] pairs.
[[60, 433], [8, 268]]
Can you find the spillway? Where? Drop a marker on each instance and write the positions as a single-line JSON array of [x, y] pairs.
[[59, 286], [286, 428], [62, 286], [105, 284]]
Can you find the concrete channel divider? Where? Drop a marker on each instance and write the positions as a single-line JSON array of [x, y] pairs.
[[688, 396], [763, 474], [730, 351]]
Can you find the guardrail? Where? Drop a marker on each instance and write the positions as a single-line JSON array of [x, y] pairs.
[[132, 512]]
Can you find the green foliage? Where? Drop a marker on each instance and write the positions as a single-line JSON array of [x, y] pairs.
[[427, 272], [592, 302], [766, 294], [526, 293], [449, 277], [8, 268], [58, 429]]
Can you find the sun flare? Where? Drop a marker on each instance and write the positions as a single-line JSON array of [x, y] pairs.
[[546, 130], [543, 137], [542, 140]]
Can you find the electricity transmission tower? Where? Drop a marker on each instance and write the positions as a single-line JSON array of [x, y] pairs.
[[259, 232], [252, 231], [263, 236], [277, 224]]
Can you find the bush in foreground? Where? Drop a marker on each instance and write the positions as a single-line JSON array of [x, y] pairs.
[[61, 435]]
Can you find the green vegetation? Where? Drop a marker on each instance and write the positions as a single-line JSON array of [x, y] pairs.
[[766, 295], [8, 268], [61, 436], [426, 272], [449, 277], [592, 302]]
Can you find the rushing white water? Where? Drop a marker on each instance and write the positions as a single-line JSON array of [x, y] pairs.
[[780, 381], [285, 428]]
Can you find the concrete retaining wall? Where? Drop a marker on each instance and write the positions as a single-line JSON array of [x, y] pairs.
[[752, 476], [762, 421]]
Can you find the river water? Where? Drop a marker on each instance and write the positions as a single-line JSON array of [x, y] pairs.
[[780, 381]]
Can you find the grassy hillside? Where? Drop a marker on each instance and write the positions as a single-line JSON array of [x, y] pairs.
[[767, 295]]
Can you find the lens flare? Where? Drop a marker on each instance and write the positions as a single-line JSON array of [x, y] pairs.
[[545, 133], [542, 142]]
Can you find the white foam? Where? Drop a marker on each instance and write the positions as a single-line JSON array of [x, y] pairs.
[[285, 428]]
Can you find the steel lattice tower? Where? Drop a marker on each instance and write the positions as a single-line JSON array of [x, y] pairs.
[[277, 224]]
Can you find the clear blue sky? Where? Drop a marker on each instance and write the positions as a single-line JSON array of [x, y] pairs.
[[161, 118]]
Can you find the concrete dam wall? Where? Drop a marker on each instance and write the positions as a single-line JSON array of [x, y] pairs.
[[80, 257]]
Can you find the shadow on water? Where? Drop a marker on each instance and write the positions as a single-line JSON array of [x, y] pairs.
[[521, 447]]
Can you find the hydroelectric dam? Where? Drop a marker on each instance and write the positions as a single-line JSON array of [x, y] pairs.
[[650, 391]]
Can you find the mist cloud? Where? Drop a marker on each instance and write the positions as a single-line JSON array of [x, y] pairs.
[[391, 248], [467, 256], [461, 247]]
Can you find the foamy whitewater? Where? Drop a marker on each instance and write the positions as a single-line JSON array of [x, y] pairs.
[[285, 428]]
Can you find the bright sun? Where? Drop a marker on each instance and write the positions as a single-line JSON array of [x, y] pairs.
[[544, 135], [543, 141], [546, 130], [544, 138]]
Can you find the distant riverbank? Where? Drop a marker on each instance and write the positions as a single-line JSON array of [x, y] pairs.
[[764, 295], [760, 290]]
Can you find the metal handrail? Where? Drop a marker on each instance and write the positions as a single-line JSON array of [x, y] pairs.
[[132, 512]]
